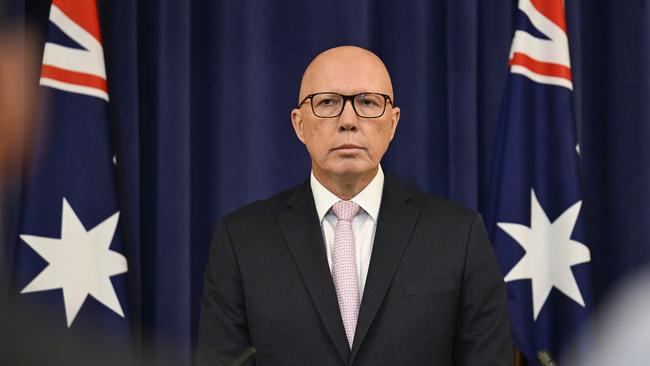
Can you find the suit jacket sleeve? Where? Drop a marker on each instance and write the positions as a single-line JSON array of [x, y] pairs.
[[483, 328], [223, 328]]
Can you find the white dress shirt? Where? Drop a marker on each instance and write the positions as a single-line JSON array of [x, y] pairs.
[[364, 223]]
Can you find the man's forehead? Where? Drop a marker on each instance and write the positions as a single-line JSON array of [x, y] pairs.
[[341, 79], [346, 70]]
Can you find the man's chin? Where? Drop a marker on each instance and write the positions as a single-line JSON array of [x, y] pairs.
[[352, 173]]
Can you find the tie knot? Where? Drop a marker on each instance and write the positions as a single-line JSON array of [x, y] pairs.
[[345, 210]]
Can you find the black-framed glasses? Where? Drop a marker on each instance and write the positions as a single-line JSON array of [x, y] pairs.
[[330, 105]]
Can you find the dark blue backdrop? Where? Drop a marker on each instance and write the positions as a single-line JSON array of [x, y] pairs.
[[201, 93]]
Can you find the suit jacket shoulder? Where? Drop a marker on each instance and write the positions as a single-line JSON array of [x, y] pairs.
[[437, 209], [435, 202]]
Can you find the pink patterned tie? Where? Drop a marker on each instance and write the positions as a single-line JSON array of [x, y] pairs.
[[344, 266]]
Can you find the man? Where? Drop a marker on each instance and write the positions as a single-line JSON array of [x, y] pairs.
[[352, 267]]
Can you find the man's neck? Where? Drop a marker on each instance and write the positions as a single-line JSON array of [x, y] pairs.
[[345, 187]]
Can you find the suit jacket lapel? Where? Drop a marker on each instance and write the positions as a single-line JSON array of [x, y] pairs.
[[304, 238], [394, 225]]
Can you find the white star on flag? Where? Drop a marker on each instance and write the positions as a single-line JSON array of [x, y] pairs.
[[550, 253], [80, 263]]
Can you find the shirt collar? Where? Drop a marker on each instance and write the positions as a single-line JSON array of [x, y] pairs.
[[369, 199]]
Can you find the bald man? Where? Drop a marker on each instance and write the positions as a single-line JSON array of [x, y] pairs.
[[352, 267]]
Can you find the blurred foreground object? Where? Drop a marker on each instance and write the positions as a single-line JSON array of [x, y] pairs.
[[18, 90], [620, 332]]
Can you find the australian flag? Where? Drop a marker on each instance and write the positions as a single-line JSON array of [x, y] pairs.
[[537, 223], [69, 259]]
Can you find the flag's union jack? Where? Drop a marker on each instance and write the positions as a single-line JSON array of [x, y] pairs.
[[75, 69], [544, 60]]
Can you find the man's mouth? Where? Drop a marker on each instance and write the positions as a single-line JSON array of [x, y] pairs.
[[347, 147]]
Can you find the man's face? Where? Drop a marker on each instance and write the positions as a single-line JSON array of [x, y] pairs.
[[348, 147]]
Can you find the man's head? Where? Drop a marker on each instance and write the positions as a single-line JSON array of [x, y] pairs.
[[346, 149]]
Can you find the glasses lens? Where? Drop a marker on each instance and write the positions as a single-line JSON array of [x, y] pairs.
[[327, 104], [370, 105]]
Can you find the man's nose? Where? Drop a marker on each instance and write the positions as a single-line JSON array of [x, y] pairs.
[[348, 120]]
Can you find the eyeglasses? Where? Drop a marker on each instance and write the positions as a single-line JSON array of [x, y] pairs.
[[330, 105]]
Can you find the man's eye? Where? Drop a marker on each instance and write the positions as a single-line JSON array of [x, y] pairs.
[[369, 102], [326, 102]]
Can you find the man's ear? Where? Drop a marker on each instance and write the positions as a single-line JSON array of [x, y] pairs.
[[296, 121], [394, 120]]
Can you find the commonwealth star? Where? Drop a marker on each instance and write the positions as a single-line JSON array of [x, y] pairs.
[[550, 253], [80, 263]]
